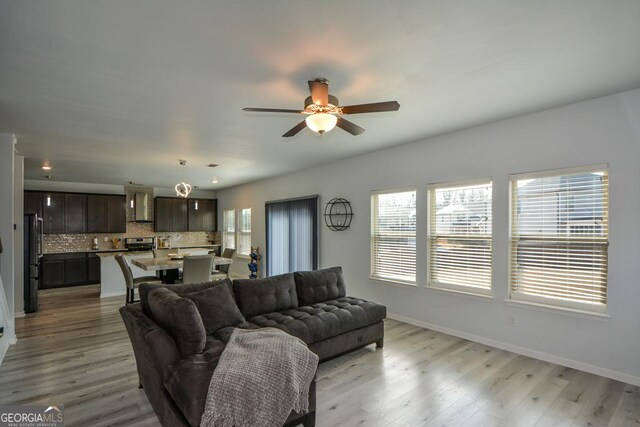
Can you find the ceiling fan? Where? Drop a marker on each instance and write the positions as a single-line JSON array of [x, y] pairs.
[[324, 112]]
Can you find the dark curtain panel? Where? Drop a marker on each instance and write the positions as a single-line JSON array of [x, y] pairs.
[[292, 235]]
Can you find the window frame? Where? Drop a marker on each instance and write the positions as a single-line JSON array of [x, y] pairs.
[[225, 232], [553, 303], [450, 287], [372, 251], [239, 231]]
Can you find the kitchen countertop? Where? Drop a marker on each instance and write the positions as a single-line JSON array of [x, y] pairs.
[[122, 250]]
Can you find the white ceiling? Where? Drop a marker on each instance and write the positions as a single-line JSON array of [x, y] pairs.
[[118, 91]]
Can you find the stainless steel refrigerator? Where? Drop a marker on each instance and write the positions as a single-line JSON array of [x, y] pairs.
[[33, 234]]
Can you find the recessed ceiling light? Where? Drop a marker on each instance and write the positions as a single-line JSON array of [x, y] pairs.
[[46, 167], [214, 181]]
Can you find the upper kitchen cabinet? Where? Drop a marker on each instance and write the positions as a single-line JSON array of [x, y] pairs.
[[175, 214], [171, 214], [106, 213], [116, 214], [203, 214], [33, 202], [96, 213], [75, 215], [53, 211]]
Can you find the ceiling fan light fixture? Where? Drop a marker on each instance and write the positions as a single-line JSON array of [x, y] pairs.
[[321, 122]]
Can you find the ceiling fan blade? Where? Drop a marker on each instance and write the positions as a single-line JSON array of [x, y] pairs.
[[271, 110], [348, 126], [375, 107], [297, 128], [319, 92]]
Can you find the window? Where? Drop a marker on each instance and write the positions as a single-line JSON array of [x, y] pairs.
[[393, 236], [292, 235], [459, 252], [229, 228], [560, 238], [244, 234]]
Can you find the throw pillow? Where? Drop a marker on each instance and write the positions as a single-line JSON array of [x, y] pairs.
[[217, 307], [180, 318]]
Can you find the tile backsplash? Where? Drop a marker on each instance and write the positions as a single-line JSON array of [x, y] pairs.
[[61, 243]]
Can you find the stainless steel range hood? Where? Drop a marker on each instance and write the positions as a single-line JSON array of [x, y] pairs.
[[142, 207]]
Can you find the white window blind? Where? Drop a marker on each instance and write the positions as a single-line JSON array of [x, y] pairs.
[[393, 236], [244, 233], [459, 254], [229, 228], [560, 238]]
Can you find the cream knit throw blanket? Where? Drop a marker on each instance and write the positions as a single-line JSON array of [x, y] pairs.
[[263, 374]]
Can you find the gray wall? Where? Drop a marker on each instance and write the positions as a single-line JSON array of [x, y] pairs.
[[603, 130]]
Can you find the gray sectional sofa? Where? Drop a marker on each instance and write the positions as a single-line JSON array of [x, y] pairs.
[[178, 332]]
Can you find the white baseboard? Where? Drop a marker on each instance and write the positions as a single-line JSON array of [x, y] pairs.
[[5, 342], [558, 360], [4, 346], [19, 314]]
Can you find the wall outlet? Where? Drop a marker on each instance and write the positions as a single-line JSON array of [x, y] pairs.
[[106, 239], [512, 322]]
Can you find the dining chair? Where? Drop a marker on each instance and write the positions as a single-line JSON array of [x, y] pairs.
[[161, 253], [197, 268], [131, 282], [223, 270]]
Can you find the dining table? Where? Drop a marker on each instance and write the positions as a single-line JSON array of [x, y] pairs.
[[168, 267]]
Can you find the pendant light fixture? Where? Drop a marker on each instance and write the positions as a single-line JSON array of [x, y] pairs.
[[182, 188]]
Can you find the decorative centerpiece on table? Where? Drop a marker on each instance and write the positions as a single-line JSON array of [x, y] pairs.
[[254, 264]]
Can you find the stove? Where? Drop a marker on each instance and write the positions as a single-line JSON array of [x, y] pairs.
[[139, 243]]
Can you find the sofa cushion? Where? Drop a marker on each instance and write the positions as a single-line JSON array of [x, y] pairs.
[[353, 313], [306, 323], [260, 296], [223, 334], [180, 289], [323, 320], [180, 317], [320, 285], [187, 381], [217, 307]]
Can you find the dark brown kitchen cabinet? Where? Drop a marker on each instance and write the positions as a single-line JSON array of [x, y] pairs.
[[69, 269], [209, 215], [33, 202], [106, 213], [171, 214], [75, 215], [180, 216], [96, 213], [163, 208], [53, 211], [75, 270], [93, 268], [52, 272], [203, 214], [116, 214]]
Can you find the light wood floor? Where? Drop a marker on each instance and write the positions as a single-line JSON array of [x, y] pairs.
[[76, 352]]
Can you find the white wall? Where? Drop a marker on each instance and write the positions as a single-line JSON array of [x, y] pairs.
[[603, 130], [7, 235], [18, 246], [79, 187]]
